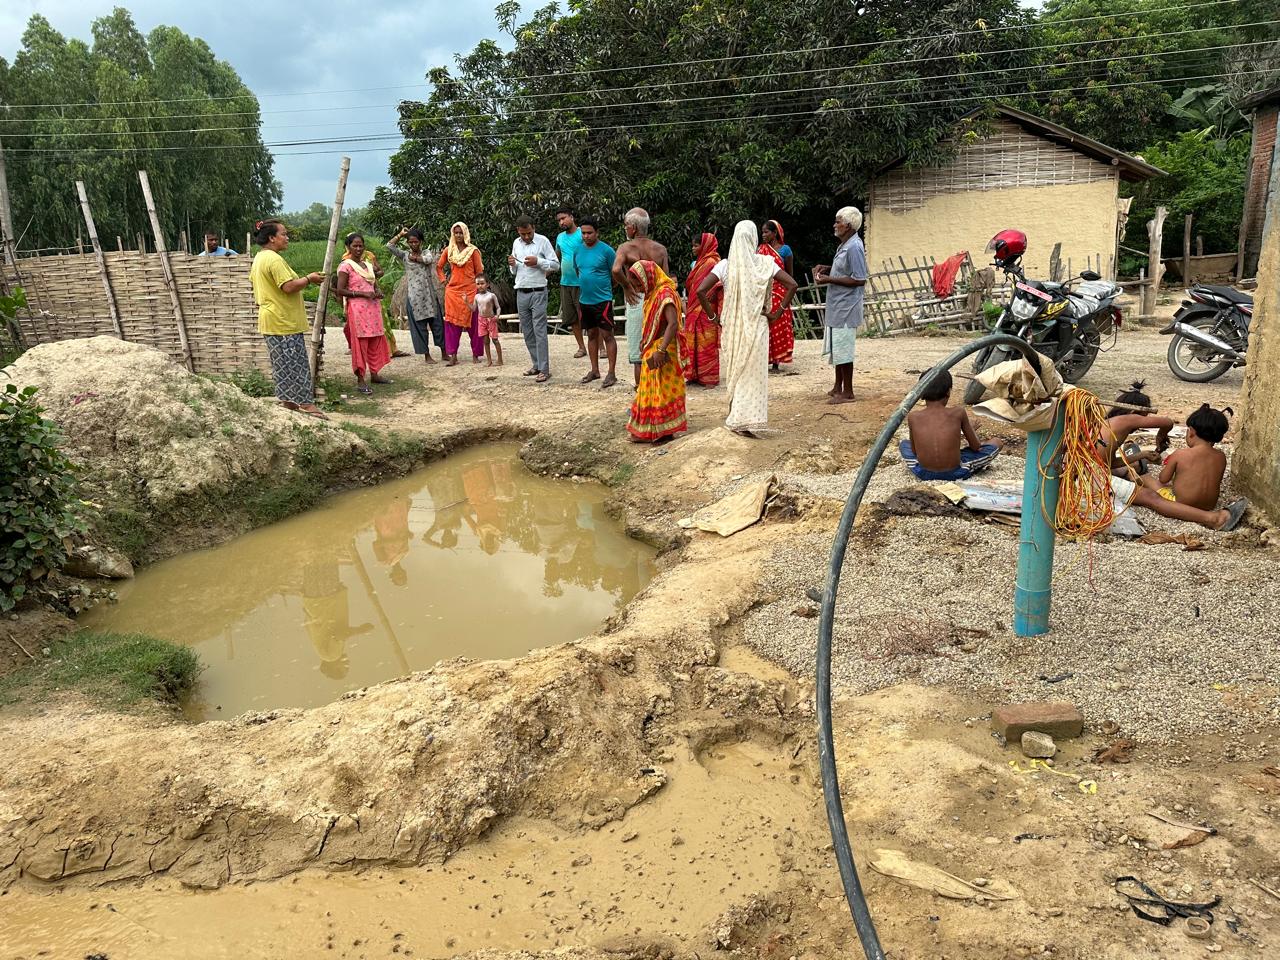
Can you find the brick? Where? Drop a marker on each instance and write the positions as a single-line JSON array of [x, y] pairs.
[[1060, 720]]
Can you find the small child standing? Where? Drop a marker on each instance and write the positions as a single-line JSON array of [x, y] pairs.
[[934, 451], [485, 314]]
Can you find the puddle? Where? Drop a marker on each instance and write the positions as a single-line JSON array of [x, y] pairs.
[[474, 556], [718, 833]]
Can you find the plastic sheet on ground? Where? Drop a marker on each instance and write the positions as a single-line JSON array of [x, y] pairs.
[[996, 498]]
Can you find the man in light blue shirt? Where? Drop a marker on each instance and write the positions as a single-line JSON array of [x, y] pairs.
[[530, 261], [213, 246], [569, 240], [845, 281], [593, 263]]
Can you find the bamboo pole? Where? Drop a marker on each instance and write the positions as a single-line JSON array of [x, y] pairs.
[[119, 244], [170, 283], [1155, 265], [322, 303], [7, 239], [1186, 249], [182, 242], [112, 307]]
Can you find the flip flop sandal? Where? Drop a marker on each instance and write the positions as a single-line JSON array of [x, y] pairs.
[[1165, 911], [367, 391], [580, 354], [589, 377], [531, 372], [1235, 513], [541, 378], [609, 381]]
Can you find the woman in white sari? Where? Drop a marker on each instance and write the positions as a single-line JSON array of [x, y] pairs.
[[748, 279]]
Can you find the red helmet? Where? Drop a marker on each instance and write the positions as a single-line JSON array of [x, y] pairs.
[[1008, 246]]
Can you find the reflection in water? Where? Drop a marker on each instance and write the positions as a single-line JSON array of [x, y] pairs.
[[474, 557]]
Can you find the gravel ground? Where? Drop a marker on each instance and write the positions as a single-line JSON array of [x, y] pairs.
[[1164, 641]]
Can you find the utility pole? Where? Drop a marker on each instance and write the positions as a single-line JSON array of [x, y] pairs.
[[7, 238]]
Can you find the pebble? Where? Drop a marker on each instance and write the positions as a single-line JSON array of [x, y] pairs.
[[1038, 745]]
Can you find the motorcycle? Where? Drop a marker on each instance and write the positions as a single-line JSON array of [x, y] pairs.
[[1064, 321], [1210, 333]]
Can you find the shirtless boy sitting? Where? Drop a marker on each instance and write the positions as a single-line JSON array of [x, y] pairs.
[[934, 451], [1194, 473]]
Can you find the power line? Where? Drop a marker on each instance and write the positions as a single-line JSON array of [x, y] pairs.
[[497, 135], [686, 83], [662, 101], [985, 31]]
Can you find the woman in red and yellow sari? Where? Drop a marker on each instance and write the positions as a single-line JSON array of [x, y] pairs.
[[782, 334], [658, 413], [699, 337]]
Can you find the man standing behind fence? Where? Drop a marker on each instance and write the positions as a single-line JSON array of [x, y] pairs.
[[530, 261], [213, 246]]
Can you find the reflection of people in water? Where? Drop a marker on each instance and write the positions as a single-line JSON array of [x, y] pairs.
[[484, 514], [391, 538], [327, 617]]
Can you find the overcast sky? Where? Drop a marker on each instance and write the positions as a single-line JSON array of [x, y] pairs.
[[288, 52]]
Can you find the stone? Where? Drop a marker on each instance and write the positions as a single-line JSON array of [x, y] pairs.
[[1058, 719], [90, 560], [1038, 745]]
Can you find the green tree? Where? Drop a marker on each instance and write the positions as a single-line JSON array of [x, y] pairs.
[[202, 150], [700, 144]]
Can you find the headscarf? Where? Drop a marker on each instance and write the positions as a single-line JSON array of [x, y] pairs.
[[747, 283], [708, 257], [460, 257], [777, 228]]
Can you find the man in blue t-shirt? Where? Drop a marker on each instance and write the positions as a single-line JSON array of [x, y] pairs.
[[213, 246], [569, 240], [593, 263]]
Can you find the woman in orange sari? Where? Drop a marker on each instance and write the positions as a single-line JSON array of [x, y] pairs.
[[464, 263], [699, 337], [782, 334], [657, 413]]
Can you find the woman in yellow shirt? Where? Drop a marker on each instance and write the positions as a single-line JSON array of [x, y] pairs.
[[282, 317]]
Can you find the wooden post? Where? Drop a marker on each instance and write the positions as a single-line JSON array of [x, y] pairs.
[[110, 294], [322, 303], [1155, 265], [1186, 250], [248, 242], [119, 244], [142, 246], [182, 241], [1199, 244], [1055, 263], [163, 253], [7, 238]]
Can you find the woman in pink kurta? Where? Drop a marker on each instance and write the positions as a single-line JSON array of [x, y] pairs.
[[362, 301]]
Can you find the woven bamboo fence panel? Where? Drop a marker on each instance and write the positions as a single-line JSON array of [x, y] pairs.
[[1009, 157], [67, 302]]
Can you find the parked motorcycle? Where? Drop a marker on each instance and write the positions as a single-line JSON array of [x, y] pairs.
[[1064, 321], [1210, 333]]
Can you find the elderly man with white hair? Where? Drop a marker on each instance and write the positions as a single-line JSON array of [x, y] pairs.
[[844, 280], [638, 247]]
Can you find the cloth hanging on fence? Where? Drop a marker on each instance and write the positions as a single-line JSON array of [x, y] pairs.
[[944, 274]]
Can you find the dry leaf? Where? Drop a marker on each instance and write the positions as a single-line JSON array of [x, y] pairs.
[[1119, 752], [1190, 840]]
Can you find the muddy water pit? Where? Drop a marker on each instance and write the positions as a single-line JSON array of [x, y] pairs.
[[669, 869], [474, 556]]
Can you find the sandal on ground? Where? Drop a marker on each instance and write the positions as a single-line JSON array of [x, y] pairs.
[[531, 372], [367, 391], [589, 377], [580, 354], [1235, 513], [609, 381], [542, 378]]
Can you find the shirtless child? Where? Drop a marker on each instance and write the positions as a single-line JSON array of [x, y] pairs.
[[1190, 481], [934, 451]]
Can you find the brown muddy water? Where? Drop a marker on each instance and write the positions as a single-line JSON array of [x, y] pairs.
[[473, 556]]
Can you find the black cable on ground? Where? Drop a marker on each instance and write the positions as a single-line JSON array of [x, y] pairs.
[[826, 742]]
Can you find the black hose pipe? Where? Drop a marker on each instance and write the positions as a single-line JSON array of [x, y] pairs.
[[826, 742]]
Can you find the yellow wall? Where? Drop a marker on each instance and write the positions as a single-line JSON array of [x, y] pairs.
[[1082, 216], [1257, 456]]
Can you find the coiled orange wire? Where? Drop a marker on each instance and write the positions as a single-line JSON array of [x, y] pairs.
[[1085, 505]]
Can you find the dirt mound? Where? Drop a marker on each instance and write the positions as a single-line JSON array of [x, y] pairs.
[[142, 425]]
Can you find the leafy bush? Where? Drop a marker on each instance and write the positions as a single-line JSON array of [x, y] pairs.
[[253, 382], [10, 337], [38, 495]]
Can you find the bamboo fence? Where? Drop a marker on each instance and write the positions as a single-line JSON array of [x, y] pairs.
[[70, 298]]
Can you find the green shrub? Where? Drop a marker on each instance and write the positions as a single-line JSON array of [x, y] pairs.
[[253, 382], [117, 668], [38, 495]]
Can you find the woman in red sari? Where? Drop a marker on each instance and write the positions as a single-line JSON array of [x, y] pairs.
[[699, 337], [782, 334]]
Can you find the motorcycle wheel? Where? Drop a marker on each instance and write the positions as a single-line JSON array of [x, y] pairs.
[[1084, 351], [974, 391], [1190, 361]]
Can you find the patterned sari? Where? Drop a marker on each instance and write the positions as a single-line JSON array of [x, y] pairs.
[[782, 334], [699, 337], [658, 410]]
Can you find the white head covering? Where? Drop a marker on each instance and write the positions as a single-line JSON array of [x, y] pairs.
[[747, 284]]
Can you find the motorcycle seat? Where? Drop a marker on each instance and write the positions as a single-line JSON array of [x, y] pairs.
[[1227, 293]]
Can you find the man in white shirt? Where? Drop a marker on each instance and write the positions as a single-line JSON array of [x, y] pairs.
[[531, 259]]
